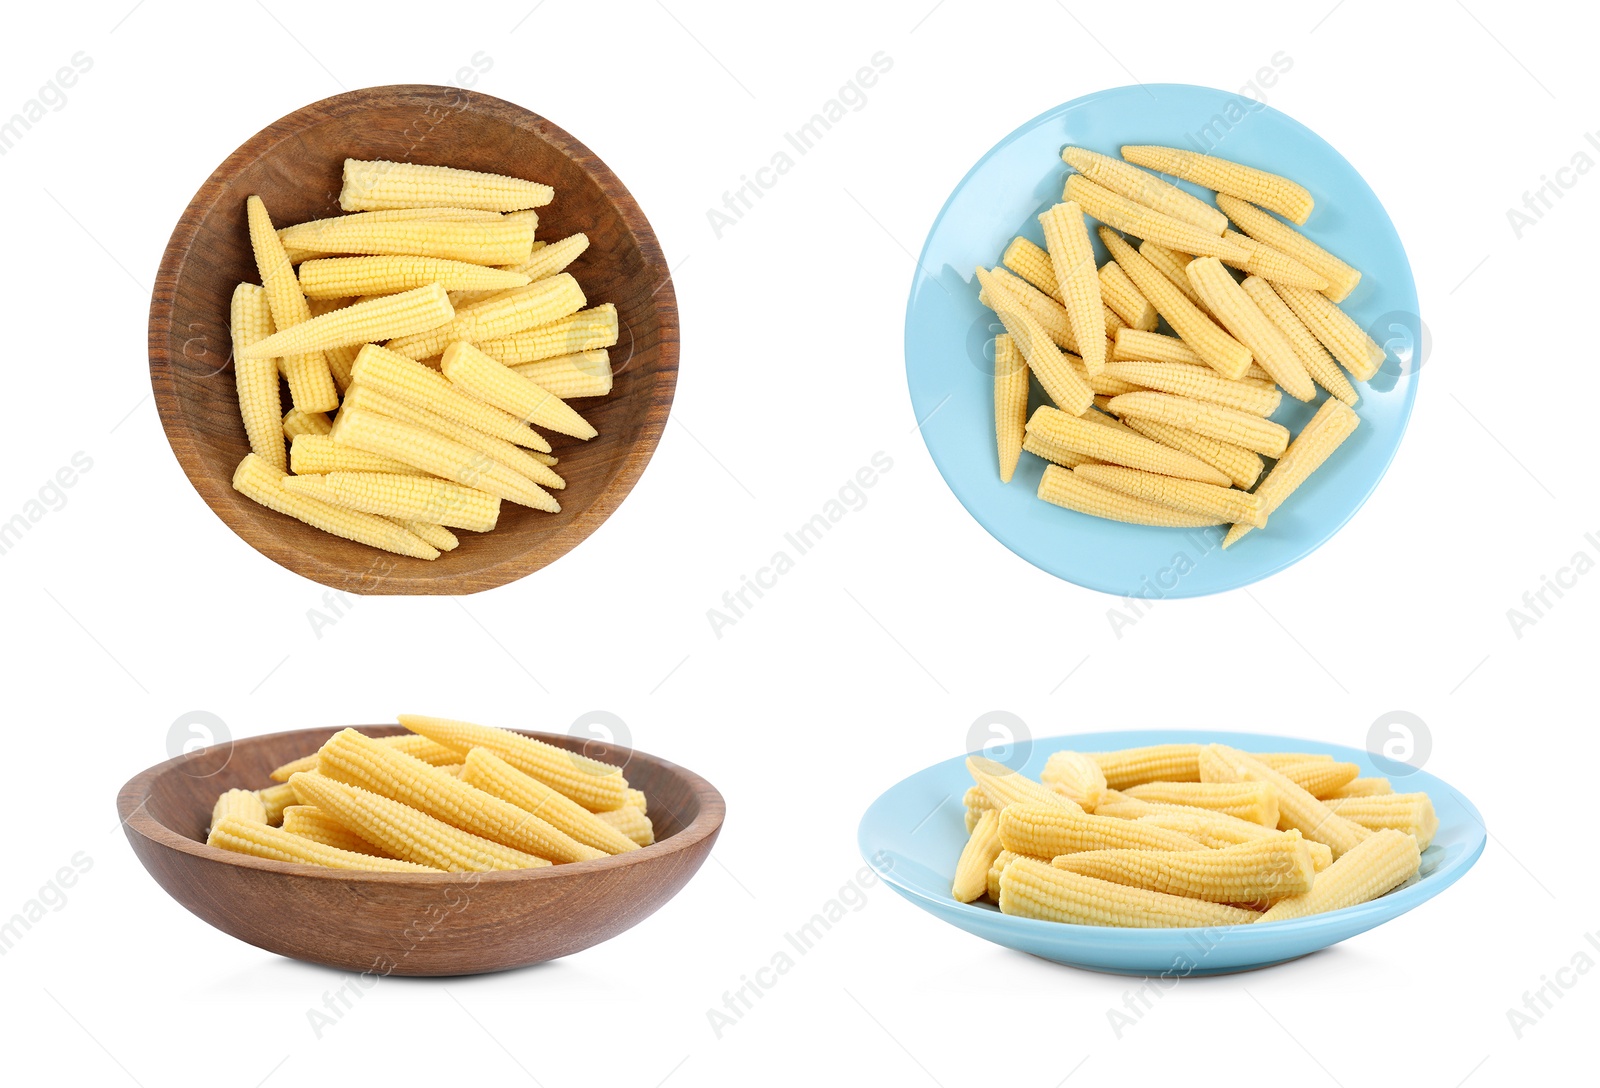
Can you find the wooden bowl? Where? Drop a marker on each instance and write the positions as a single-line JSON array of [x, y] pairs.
[[295, 165], [400, 923]]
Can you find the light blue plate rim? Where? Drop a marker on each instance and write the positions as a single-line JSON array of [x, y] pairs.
[[1118, 559]]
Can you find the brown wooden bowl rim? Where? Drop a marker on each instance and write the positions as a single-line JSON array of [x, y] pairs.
[[136, 791], [215, 492]]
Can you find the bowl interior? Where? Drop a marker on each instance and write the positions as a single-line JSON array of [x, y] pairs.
[[295, 166]]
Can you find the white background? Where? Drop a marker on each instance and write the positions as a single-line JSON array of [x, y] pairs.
[[133, 604]]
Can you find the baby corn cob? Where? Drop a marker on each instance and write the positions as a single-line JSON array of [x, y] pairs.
[[411, 744], [260, 482], [376, 184], [1123, 214], [239, 805], [1061, 384], [1045, 831], [1040, 446], [1199, 382], [1270, 191], [1122, 296], [276, 799], [1033, 265], [499, 315], [362, 398], [1249, 872], [296, 423], [1409, 812], [1153, 763], [1050, 314], [344, 277], [1224, 424], [1120, 447], [1136, 345], [598, 787], [1143, 187], [490, 773], [1362, 787], [405, 832], [1341, 278], [976, 804], [1063, 487], [1002, 786], [1076, 777], [1240, 465], [585, 330], [992, 881], [1174, 266], [403, 379], [360, 323], [972, 869], [1372, 868], [1067, 241], [1348, 342], [1010, 403], [441, 456], [581, 374], [1215, 830], [1328, 428], [358, 761], [1313, 356], [552, 258], [1220, 351], [1280, 760], [1269, 264], [1036, 889], [631, 823], [275, 844], [1189, 496], [309, 822], [1252, 801], [256, 380], [496, 241], [313, 454], [311, 226], [407, 497], [1252, 328], [497, 384], [432, 532], [310, 383], [1320, 778], [1296, 808]]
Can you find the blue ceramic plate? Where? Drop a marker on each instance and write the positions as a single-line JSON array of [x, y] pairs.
[[914, 833], [950, 339]]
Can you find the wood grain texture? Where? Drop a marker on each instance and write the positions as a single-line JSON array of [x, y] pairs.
[[400, 923], [295, 164]]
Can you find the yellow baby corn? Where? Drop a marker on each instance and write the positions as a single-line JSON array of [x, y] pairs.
[[1320, 778], [585, 330], [497, 384], [1067, 241], [1040, 446], [1270, 191], [1372, 868], [1174, 266], [490, 773], [1252, 801], [310, 822], [311, 454], [598, 787], [1063, 487], [1333, 422], [1190, 496], [1076, 777], [441, 456], [260, 482], [1409, 812], [1122, 296], [976, 805], [407, 497], [631, 823], [362, 322], [410, 743], [1296, 808], [972, 869], [1214, 830], [1313, 356], [1010, 403], [1136, 345], [1280, 760], [581, 374], [1123, 214], [239, 805], [1120, 446], [310, 383], [276, 799], [256, 380], [1252, 328], [275, 844], [1348, 342], [1269, 264], [312, 226], [1033, 265], [376, 184], [405, 832], [296, 423], [1215, 347], [432, 532], [1050, 314], [358, 761], [497, 241], [1036, 889], [499, 315], [1341, 278], [1061, 384], [342, 277], [1362, 787], [1240, 465], [1045, 831], [407, 380], [992, 882], [1224, 424], [552, 258], [1153, 763], [1001, 786], [1199, 382], [1143, 187], [1250, 872]]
